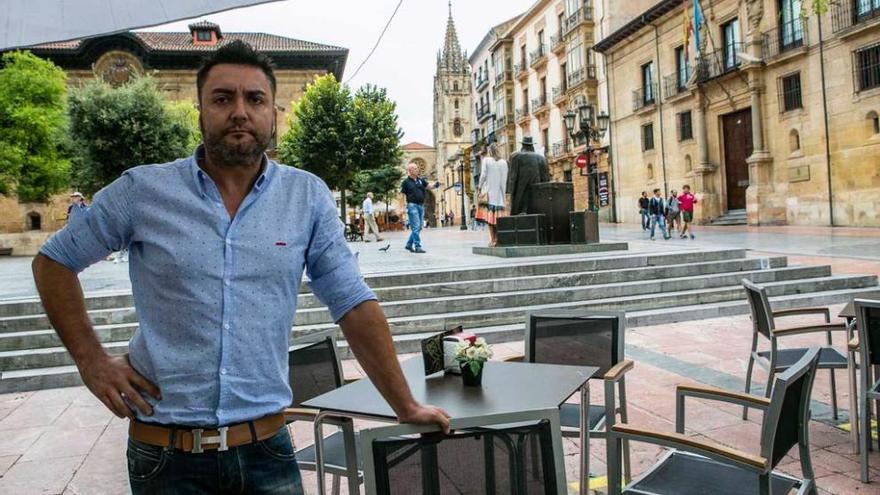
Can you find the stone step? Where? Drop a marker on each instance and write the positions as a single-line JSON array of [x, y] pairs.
[[516, 298], [413, 312], [481, 287], [492, 270], [67, 375]]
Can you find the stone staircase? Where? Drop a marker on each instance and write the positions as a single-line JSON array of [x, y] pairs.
[[489, 301], [732, 217]]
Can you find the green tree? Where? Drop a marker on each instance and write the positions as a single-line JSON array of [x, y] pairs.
[[383, 182], [338, 136], [33, 161], [114, 129]]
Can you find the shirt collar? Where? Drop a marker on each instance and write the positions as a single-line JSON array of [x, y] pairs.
[[200, 177]]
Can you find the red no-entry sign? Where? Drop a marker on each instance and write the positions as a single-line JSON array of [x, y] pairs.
[[581, 161]]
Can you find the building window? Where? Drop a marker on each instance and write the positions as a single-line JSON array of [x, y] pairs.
[[874, 119], [688, 166], [455, 85], [650, 171], [866, 9], [203, 35], [791, 27], [867, 67], [545, 134], [791, 92], [566, 176], [575, 60], [648, 84], [648, 137], [794, 141], [34, 221], [732, 44], [682, 70], [456, 103], [685, 130]]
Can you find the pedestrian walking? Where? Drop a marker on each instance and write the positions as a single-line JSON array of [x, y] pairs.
[[673, 212], [492, 187], [657, 209], [205, 380], [414, 187], [643, 211], [686, 202], [77, 203], [370, 219], [451, 218]]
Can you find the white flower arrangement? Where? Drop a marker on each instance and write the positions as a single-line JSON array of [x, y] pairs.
[[473, 354]]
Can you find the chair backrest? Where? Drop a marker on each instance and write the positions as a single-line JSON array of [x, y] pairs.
[[759, 307], [868, 325], [786, 421], [314, 368], [575, 337], [522, 455]]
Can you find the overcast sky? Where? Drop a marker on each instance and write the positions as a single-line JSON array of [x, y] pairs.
[[405, 60]]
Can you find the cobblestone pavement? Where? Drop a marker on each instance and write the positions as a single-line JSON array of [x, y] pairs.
[[851, 250], [64, 441]]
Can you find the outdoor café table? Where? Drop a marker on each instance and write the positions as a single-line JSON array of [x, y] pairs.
[[849, 314], [507, 387]]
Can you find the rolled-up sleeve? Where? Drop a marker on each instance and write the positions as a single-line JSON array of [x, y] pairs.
[[332, 269], [93, 233]]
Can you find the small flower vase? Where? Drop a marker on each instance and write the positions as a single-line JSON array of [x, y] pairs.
[[469, 378]]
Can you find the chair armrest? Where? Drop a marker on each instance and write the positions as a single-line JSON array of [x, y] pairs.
[[678, 441], [781, 332], [803, 311], [712, 393], [514, 359], [619, 369], [300, 414], [853, 344]]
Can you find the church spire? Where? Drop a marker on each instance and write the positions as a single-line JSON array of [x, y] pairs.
[[452, 58]]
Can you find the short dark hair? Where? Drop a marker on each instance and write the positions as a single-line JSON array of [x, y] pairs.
[[685, 186], [657, 190], [239, 53]]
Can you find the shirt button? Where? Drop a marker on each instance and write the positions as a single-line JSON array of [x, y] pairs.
[[223, 371], [226, 326], [228, 241], [226, 282]]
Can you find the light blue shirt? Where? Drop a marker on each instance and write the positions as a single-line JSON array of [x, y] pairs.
[[368, 206], [215, 297]]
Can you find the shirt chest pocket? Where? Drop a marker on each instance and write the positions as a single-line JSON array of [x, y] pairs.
[[270, 258]]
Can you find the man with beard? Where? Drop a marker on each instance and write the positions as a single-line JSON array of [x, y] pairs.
[[218, 244]]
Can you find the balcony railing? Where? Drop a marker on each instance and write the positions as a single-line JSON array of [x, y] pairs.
[[848, 13], [539, 104], [522, 113], [644, 97], [483, 112], [578, 76], [482, 81], [557, 41], [788, 36], [559, 149], [673, 84], [501, 77], [538, 56], [575, 19], [520, 70], [719, 62], [503, 121], [558, 93]]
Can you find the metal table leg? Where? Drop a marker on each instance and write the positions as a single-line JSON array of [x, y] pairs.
[[319, 450], [585, 439], [853, 387]]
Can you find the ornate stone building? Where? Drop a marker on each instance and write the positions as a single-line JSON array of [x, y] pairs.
[[774, 119], [452, 117]]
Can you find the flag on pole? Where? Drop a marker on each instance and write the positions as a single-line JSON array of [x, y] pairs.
[[698, 20], [687, 27]]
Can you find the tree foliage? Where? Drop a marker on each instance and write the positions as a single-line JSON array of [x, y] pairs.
[[339, 136], [33, 161], [383, 182], [114, 129]]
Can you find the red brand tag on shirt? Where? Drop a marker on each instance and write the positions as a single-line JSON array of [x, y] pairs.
[[280, 243]]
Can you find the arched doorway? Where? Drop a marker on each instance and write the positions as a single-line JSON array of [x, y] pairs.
[[34, 221], [430, 209]]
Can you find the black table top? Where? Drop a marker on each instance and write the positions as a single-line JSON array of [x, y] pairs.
[[849, 311], [507, 387]]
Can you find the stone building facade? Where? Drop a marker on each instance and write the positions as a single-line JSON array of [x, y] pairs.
[[172, 58], [452, 118], [775, 116]]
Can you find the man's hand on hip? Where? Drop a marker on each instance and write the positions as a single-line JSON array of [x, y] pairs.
[[426, 415], [113, 380]]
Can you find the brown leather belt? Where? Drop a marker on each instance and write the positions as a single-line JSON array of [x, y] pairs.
[[198, 440]]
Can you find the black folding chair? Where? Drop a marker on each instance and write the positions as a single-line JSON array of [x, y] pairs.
[[695, 466], [514, 453], [582, 337], [775, 359], [314, 370], [868, 345]]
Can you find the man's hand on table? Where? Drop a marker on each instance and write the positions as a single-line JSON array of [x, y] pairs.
[[426, 415], [112, 380]]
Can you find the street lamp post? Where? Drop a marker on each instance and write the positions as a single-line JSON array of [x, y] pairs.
[[461, 182], [591, 128]]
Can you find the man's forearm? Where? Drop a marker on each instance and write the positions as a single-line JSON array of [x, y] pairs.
[[63, 300], [369, 337]]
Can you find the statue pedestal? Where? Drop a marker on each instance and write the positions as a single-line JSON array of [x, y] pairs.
[[549, 249]]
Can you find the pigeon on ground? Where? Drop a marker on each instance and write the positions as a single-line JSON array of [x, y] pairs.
[[386, 248]]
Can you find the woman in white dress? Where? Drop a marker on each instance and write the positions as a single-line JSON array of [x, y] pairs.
[[493, 185]]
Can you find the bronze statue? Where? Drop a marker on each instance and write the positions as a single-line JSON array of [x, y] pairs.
[[526, 168]]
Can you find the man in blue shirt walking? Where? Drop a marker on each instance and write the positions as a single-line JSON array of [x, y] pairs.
[[218, 244]]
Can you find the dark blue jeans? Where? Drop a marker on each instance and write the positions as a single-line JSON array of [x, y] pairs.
[[265, 468], [415, 214]]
